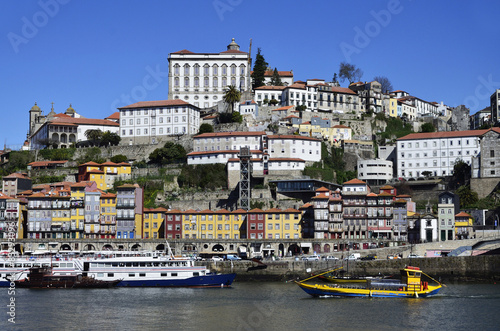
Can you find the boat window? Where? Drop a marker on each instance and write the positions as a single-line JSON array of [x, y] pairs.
[[107, 265], [122, 264], [196, 274], [129, 264], [93, 265], [174, 274], [142, 275], [131, 275], [115, 264], [149, 264], [18, 265], [411, 273], [156, 264], [37, 265], [70, 265], [418, 274], [164, 274], [100, 274], [110, 274], [45, 265], [27, 265], [55, 265], [142, 264], [135, 264], [1, 265]]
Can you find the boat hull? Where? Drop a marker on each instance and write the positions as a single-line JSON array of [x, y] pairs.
[[219, 280], [326, 290]]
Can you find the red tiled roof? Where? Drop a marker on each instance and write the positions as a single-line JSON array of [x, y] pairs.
[[184, 51], [291, 116], [283, 108], [256, 210], [17, 175], [343, 90], [268, 87], [387, 187], [291, 210], [114, 116], [462, 214], [230, 134], [234, 51], [297, 85], [239, 211], [354, 181], [82, 121], [157, 103], [307, 205], [270, 73], [61, 115], [322, 189], [444, 134], [291, 136], [273, 210], [45, 163], [222, 211], [321, 196], [372, 195]]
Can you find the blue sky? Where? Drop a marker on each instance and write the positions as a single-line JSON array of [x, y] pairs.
[[99, 55]]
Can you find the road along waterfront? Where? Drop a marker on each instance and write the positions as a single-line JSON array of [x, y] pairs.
[[251, 306]]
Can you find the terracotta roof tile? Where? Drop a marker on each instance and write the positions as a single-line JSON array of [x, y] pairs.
[[157, 103], [354, 181]]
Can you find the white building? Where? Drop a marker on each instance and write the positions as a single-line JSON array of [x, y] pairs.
[[202, 78], [219, 147], [285, 76], [264, 94], [375, 172], [63, 129], [436, 152], [146, 121], [301, 94]]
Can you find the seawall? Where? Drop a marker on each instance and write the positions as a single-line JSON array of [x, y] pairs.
[[486, 267]]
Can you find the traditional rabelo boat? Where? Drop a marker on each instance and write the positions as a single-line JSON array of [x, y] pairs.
[[409, 286], [340, 276]]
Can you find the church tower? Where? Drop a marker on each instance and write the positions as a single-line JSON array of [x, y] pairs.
[[35, 116]]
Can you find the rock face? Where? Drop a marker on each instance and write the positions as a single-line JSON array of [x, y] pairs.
[[459, 120]]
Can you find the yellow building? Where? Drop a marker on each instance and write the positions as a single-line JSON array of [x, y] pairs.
[[153, 224], [464, 226], [338, 133], [77, 205], [191, 224], [393, 107], [305, 129], [104, 174], [107, 227], [282, 224]]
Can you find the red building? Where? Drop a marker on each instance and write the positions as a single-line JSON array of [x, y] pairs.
[[256, 224]]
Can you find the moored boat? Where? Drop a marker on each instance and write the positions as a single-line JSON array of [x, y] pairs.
[[410, 285]]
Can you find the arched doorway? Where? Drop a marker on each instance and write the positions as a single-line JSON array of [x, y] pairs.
[[160, 247], [65, 247], [326, 248], [218, 248], [107, 247], [317, 248], [136, 247], [294, 250], [89, 247], [281, 250]]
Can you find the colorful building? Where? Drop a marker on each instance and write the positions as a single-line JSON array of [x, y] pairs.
[[464, 226], [154, 223]]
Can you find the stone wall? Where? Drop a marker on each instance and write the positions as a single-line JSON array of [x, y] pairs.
[[484, 186]]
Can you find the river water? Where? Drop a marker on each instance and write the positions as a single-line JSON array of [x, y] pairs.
[[248, 306]]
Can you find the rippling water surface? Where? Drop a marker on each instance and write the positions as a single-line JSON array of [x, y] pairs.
[[249, 306]]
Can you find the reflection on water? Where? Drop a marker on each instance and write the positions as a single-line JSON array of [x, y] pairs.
[[251, 306]]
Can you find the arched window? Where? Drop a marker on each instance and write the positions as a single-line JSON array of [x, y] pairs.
[[215, 82], [206, 82], [233, 81], [242, 82], [233, 69], [206, 70], [176, 81], [224, 69], [196, 69], [224, 81], [242, 70], [186, 70], [196, 82], [176, 69], [215, 70], [186, 81]]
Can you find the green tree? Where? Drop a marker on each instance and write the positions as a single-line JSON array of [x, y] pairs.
[[276, 79], [119, 158], [206, 128], [461, 173], [350, 72], [109, 138], [301, 108], [274, 102], [427, 127], [170, 153], [259, 70], [236, 117], [232, 96], [467, 196], [94, 136]]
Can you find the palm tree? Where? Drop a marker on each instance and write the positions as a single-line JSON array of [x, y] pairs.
[[232, 96], [93, 135]]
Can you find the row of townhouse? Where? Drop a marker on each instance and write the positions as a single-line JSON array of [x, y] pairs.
[[82, 210], [357, 213], [12, 216], [104, 174]]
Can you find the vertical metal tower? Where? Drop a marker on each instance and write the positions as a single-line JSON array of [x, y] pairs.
[[245, 174]]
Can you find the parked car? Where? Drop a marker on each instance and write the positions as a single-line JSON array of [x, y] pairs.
[[331, 258], [217, 259], [369, 257], [232, 257], [311, 258], [353, 257], [414, 256], [393, 257]]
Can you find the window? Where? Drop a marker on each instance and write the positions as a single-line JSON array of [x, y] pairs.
[[492, 153]]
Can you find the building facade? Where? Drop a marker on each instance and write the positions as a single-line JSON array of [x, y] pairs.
[[147, 122], [202, 78]]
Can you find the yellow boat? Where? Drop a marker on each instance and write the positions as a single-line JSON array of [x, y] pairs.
[[409, 286]]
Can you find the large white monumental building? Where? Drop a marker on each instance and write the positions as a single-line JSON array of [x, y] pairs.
[[202, 78]]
